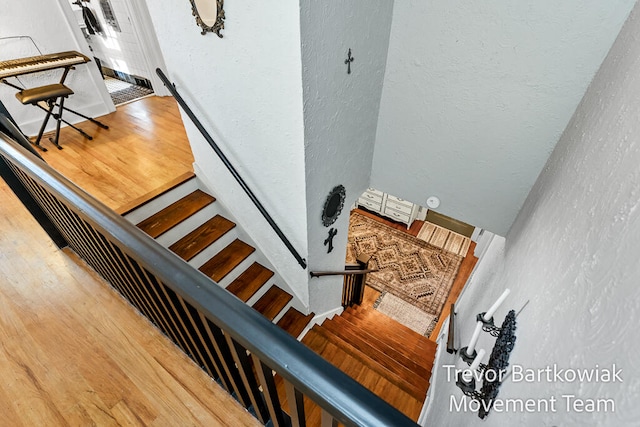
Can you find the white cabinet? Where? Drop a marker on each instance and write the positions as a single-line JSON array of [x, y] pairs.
[[390, 206]]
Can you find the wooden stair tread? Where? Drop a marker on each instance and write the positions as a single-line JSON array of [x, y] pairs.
[[371, 321], [200, 238], [384, 354], [294, 322], [403, 382], [409, 337], [226, 260], [172, 215], [272, 302], [248, 283], [382, 340], [356, 369]]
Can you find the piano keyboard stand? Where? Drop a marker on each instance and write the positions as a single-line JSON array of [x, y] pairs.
[[46, 97]]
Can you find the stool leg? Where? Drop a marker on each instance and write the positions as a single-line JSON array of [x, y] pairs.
[[44, 124], [58, 118]]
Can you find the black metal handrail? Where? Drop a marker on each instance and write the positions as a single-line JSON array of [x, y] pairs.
[[204, 320], [230, 167], [341, 273]]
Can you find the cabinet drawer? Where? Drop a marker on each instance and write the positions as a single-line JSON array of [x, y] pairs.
[[398, 216], [398, 200], [404, 208], [367, 195], [374, 191], [369, 204]]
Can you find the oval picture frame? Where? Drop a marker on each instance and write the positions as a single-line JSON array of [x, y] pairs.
[[333, 205], [209, 15]]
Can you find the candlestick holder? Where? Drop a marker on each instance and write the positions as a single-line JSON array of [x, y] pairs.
[[466, 357], [493, 372], [488, 325]]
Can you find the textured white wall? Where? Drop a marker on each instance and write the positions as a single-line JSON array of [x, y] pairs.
[[340, 116], [573, 252], [477, 93], [52, 27], [246, 88]]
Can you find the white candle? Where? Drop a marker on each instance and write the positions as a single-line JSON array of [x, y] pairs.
[[489, 314], [474, 339], [477, 360]]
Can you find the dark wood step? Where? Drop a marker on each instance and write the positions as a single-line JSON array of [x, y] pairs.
[[248, 283], [346, 345], [381, 340], [200, 238], [359, 371], [226, 260], [294, 322], [174, 214], [372, 321], [272, 302], [409, 337], [421, 356]]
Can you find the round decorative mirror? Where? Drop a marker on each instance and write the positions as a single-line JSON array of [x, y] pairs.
[[333, 205], [209, 15]]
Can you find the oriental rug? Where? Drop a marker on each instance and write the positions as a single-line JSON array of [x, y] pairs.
[[409, 268]]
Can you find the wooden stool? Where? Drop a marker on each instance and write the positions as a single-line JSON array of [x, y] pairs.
[[47, 95]]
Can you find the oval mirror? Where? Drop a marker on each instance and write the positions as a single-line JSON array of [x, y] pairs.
[[209, 15], [333, 205]]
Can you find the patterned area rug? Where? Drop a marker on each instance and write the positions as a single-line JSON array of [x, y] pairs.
[[129, 94], [409, 268], [406, 314], [123, 92], [445, 239]]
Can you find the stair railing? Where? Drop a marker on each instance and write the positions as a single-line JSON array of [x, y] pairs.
[[232, 342], [172, 88], [355, 276]]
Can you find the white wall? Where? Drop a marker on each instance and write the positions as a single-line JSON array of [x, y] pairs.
[[246, 88], [340, 116], [47, 22], [118, 50], [573, 252], [476, 95]]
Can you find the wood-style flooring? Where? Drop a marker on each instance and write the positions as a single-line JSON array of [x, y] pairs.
[[72, 351], [145, 149]]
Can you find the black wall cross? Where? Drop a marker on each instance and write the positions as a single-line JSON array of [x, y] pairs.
[[329, 239], [348, 61]]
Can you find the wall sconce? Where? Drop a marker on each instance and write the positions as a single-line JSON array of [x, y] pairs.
[[494, 372]]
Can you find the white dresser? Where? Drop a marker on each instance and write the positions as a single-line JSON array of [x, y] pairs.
[[390, 206]]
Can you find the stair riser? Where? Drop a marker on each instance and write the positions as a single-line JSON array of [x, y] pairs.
[[162, 201], [260, 292], [187, 226], [213, 248], [233, 274], [282, 312]]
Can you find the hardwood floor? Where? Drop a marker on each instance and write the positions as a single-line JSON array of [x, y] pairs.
[[72, 352], [144, 148]]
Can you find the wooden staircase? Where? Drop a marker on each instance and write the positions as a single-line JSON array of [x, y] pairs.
[[388, 358], [188, 224]]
